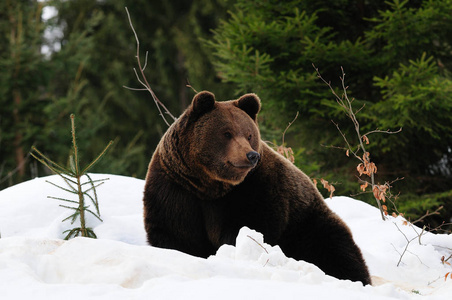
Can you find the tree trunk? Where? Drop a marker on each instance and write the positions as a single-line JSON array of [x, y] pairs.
[[183, 80], [18, 149]]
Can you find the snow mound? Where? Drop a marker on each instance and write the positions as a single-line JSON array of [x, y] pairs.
[[36, 263]]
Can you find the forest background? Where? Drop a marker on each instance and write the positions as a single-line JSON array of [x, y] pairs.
[[397, 56]]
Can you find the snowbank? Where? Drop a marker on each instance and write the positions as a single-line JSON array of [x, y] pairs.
[[36, 263]]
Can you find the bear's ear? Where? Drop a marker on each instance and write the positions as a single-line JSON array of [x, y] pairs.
[[251, 104], [202, 103]]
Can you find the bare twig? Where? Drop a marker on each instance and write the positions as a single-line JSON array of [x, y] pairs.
[[143, 80], [384, 131], [367, 167], [346, 141], [287, 152], [448, 258], [261, 247], [440, 229], [190, 86], [258, 243], [134, 89], [419, 235], [406, 246], [334, 147], [290, 124], [428, 214]]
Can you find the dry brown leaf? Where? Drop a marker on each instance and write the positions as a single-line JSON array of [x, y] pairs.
[[287, 152], [364, 186], [379, 192], [360, 169], [328, 186], [366, 157], [366, 139]]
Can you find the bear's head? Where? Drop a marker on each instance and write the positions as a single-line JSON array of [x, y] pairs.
[[225, 140], [213, 145]]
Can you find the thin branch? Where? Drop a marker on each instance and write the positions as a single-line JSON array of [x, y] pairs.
[[395, 180], [261, 247], [395, 249], [258, 243], [440, 229], [134, 89], [346, 141], [384, 131], [334, 147], [406, 246], [62, 199], [190, 86], [448, 258], [74, 190], [143, 79], [53, 166], [417, 256], [356, 112], [428, 214], [345, 103], [145, 60], [89, 166], [94, 181], [94, 187], [433, 281], [139, 79], [290, 123]]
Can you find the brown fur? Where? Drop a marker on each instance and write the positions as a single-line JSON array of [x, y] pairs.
[[201, 189]]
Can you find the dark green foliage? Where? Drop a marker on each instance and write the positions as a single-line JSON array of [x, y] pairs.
[[85, 75], [72, 176], [396, 55], [23, 72]]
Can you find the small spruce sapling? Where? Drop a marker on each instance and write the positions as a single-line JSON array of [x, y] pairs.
[[72, 176]]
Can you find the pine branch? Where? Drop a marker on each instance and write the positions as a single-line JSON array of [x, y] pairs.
[[53, 166], [62, 199], [94, 181], [85, 170], [94, 214], [64, 189]]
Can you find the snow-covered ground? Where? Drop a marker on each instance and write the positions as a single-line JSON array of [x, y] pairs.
[[35, 263]]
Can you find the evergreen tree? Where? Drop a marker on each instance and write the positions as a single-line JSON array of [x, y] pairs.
[[396, 56], [23, 72], [170, 31], [92, 59]]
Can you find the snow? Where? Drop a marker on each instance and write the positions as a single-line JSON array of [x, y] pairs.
[[36, 263]]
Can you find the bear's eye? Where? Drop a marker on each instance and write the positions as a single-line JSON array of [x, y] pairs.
[[227, 135], [249, 137]]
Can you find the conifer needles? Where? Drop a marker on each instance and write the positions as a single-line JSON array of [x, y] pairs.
[[72, 176]]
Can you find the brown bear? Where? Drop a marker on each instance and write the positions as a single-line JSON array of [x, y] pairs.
[[211, 174]]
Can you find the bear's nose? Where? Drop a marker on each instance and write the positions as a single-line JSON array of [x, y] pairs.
[[253, 157]]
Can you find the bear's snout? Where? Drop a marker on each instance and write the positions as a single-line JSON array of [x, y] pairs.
[[253, 157]]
